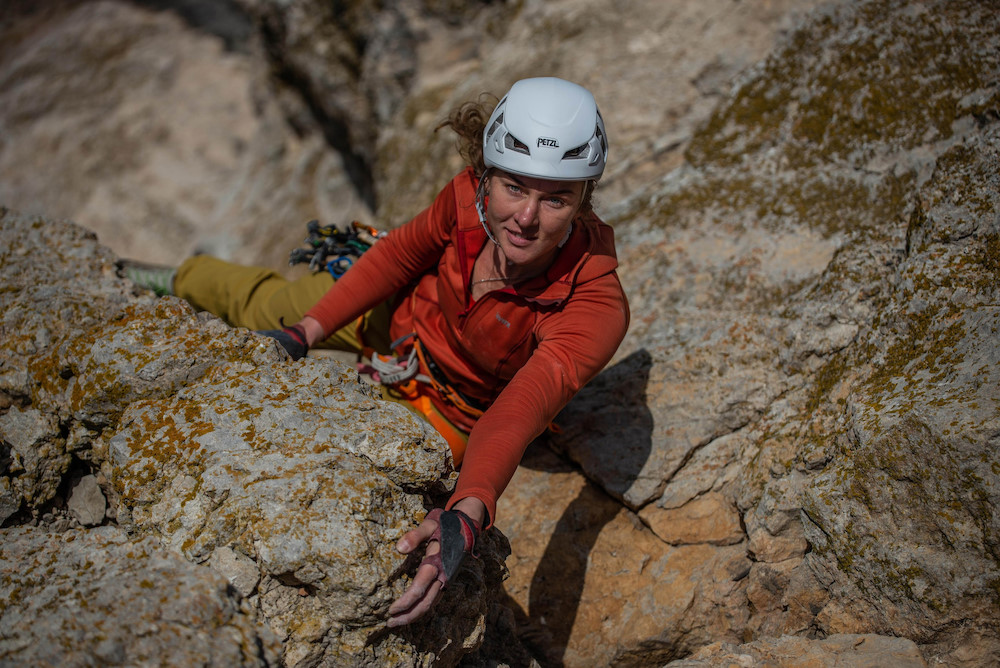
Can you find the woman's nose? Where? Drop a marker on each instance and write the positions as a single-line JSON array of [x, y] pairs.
[[526, 214]]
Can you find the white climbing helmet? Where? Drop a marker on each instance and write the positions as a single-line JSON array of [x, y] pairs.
[[547, 128]]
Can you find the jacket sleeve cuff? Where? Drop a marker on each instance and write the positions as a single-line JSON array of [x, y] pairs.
[[483, 495]]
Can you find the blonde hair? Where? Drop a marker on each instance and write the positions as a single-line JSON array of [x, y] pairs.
[[468, 121]]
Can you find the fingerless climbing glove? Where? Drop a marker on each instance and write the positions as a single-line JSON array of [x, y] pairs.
[[456, 534], [292, 339]]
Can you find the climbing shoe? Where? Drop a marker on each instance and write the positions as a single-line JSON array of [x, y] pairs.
[[155, 277]]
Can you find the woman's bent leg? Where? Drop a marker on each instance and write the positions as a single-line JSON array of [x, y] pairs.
[[258, 298], [251, 297]]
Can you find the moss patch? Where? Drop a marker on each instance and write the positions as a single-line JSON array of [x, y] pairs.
[[897, 75]]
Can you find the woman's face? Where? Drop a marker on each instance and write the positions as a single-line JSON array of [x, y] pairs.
[[530, 217]]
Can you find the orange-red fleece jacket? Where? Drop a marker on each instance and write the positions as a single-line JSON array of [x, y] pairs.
[[522, 350]]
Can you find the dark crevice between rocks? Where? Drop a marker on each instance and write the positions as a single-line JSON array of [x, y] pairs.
[[290, 580], [261, 651], [434, 496], [223, 18], [54, 513], [987, 117], [18, 516], [751, 555], [227, 20], [5, 456], [650, 653], [7, 399], [335, 129]]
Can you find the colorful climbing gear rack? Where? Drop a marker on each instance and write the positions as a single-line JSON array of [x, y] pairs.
[[333, 248]]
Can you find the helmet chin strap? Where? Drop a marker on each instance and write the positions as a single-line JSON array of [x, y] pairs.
[[569, 231], [481, 205]]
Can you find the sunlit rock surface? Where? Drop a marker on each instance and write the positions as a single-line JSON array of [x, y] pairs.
[[792, 457], [815, 340], [837, 650]]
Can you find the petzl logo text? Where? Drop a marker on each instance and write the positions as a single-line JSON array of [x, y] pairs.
[[545, 141]]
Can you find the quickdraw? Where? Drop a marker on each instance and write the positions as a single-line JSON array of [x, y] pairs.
[[397, 370], [333, 248]]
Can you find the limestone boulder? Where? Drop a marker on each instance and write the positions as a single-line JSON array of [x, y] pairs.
[[88, 597], [294, 466], [57, 282], [293, 480]]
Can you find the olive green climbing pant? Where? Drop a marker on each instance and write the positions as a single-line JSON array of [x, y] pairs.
[[258, 298]]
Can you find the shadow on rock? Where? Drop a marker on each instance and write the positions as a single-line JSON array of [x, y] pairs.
[[558, 581]]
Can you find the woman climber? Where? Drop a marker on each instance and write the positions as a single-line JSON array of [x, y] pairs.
[[501, 297]]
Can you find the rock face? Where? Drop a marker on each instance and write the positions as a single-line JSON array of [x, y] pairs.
[[129, 122], [814, 348], [320, 110], [837, 650], [291, 479], [87, 597], [793, 459]]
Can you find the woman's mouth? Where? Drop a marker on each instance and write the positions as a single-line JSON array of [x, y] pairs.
[[516, 239]]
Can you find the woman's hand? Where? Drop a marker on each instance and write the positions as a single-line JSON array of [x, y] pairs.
[[292, 340], [428, 583], [423, 591], [297, 339], [314, 330]]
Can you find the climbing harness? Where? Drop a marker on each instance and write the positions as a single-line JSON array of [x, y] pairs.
[[393, 370], [440, 383], [401, 379], [334, 248], [402, 371]]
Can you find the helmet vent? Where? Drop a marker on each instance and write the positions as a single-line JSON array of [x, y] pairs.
[[576, 153], [512, 142], [493, 128]]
